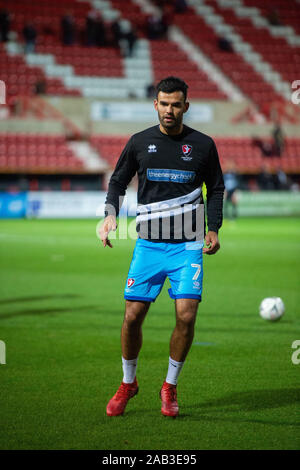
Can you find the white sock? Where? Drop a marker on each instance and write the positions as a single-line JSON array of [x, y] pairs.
[[129, 370], [173, 371]]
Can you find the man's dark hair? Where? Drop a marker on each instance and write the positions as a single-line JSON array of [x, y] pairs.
[[171, 84]]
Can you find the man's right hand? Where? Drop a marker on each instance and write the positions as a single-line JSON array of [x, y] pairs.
[[109, 224]]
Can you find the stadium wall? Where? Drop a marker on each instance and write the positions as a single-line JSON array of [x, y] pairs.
[[220, 119], [90, 204]]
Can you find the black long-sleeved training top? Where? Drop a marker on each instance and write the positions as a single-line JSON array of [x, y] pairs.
[[171, 171]]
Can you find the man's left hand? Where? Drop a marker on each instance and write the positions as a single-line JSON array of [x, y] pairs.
[[212, 243]]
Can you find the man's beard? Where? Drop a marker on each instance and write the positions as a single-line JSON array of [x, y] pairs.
[[172, 124]]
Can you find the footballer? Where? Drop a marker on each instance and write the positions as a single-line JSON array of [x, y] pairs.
[[172, 162]]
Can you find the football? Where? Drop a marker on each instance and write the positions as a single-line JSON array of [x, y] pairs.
[[271, 308]]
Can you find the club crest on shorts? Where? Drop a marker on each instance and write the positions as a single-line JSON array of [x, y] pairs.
[[130, 282], [187, 150]]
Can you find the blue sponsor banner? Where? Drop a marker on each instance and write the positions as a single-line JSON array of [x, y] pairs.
[[13, 206], [173, 176]]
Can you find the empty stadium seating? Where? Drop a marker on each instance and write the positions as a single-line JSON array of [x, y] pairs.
[[88, 61], [91, 61], [21, 79], [109, 147], [107, 61], [36, 153], [168, 59], [232, 64], [102, 72], [46, 16], [247, 157], [283, 57], [288, 11]]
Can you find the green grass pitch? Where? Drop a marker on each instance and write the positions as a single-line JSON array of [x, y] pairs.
[[61, 313]]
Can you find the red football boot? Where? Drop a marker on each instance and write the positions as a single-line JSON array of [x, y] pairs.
[[117, 404], [168, 395]]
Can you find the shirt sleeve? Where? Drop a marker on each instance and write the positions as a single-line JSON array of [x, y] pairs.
[[125, 170], [215, 191]]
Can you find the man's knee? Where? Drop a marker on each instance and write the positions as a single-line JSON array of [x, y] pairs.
[[186, 320], [186, 316], [135, 313]]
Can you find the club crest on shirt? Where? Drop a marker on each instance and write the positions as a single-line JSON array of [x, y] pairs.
[[187, 150], [130, 282]]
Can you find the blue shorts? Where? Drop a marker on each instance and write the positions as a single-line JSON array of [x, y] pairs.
[[152, 262]]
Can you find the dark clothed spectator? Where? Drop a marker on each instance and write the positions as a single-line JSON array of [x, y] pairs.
[[180, 6], [5, 20], [224, 45], [40, 87], [273, 18], [116, 33], [265, 179], [156, 27], [265, 147], [68, 29], [281, 180], [29, 34], [91, 28], [151, 91], [128, 38], [123, 36], [100, 32], [278, 139]]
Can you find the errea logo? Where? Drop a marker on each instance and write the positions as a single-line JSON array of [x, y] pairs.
[[152, 148]]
